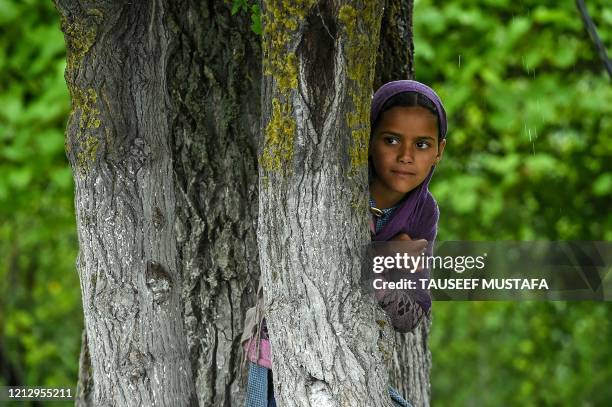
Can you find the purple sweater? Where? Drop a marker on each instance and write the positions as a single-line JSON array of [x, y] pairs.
[[406, 309]]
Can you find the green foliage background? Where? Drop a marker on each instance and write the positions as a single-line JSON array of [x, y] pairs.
[[40, 303], [528, 158]]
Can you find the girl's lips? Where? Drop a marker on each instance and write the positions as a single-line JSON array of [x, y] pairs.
[[403, 173]]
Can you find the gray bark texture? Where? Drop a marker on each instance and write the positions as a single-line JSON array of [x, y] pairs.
[[162, 141], [319, 64]]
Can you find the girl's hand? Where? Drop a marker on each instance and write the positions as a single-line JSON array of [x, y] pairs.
[[417, 248], [414, 249], [401, 237]]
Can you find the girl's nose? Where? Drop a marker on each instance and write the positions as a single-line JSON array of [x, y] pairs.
[[405, 155]]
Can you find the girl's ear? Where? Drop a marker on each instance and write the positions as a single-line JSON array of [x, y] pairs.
[[441, 146]]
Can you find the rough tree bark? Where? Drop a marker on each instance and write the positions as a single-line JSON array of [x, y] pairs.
[[162, 142], [318, 78]]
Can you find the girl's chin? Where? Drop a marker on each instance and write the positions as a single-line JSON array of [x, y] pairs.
[[404, 187]]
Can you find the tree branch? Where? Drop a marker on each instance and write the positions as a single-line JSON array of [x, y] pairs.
[[592, 30]]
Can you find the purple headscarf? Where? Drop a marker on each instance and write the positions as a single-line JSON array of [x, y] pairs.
[[418, 214]]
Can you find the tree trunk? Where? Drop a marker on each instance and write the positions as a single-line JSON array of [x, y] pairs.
[[318, 64], [409, 372], [162, 142], [395, 56], [215, 73]]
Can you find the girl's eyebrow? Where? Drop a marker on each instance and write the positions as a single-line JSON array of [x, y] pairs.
[[424, 137]]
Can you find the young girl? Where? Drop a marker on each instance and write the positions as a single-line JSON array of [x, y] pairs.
[[407, 141]]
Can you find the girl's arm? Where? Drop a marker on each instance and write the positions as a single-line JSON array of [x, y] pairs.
[[403, 311], [405, 308]]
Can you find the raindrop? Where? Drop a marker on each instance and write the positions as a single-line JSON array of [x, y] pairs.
[[531, 141]]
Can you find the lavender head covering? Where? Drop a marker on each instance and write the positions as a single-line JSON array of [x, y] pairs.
[[418, 214], [390, 89]]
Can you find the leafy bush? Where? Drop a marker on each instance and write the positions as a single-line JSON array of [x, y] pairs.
[[528, 158], [40, 305]]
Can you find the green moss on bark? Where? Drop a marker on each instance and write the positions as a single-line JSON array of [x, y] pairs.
[[281, 19], [280, 132], [361, 30], [80, 36], [79, 39], [85, 105]]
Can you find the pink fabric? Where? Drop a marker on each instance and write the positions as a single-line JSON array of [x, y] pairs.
[[265, 352]]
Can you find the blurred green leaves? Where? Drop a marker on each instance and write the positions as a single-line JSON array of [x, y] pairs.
[[529, 107], [521, 354], [40, 305], [529, 156]]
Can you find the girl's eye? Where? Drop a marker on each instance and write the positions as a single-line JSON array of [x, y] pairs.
[[391, 140], [422, 145]]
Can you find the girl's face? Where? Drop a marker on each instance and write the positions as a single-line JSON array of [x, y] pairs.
[[403, 149]]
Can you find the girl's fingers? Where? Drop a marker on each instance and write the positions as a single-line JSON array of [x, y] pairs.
[[402, 237]]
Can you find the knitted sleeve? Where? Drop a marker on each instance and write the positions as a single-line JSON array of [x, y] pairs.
[[406, 309], [403, 311]]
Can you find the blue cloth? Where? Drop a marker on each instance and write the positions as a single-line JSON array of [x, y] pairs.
[[397, 398], [385, 218], [260, 390], [257, 386]]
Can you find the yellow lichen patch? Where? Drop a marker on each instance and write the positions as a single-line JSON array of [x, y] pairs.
[[280, 132], [348, 17], [79, 39], [358, 151], [88, 147], [85, 106], [361, 30], [86, 101], [281, 20]]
